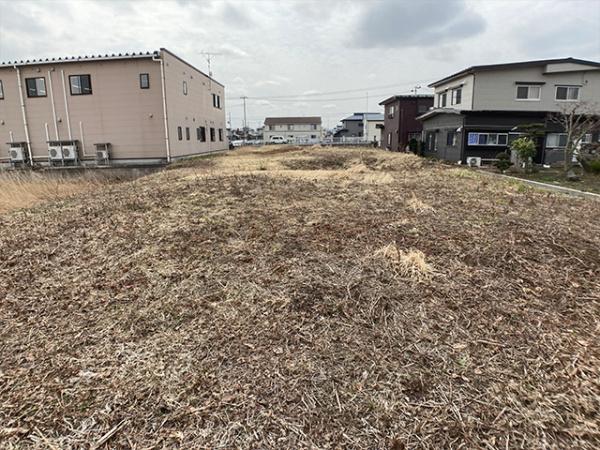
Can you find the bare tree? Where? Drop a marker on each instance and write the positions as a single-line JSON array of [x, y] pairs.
[[576, 119]]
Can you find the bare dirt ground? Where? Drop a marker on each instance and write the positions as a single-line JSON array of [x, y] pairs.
[[288, 298]]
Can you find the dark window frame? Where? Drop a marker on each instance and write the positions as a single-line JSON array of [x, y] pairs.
[[179, 134], [201, 134], [220, 134], [185, 88], [451, 138], [456, 98], [28, 88], [187, 133], [147, 76], [212, 134], [89, 77], [1, 90]]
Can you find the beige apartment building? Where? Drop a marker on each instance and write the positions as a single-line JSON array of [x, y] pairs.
[[141, 108]]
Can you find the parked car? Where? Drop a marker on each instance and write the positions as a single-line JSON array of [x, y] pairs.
[[277, 140]]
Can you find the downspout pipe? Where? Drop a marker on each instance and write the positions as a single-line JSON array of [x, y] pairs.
[[157, 58], [25, 125]]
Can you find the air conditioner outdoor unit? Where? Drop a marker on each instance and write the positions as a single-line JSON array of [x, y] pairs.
[[474, 161], [17, 154], [62, 153]]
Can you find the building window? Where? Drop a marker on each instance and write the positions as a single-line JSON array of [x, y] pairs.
[[179, 133], [80, 84], [431, 142], [201, 134], [313, 127], [391, 111], [451, 139], [290, 127], [389, 139], [144, 81], [220, 134], [187, 133], [313, 136], [1, 91], [185, 90], [212, 134], [36, 87], [567, 93], [525, 92], [556, 140], [442, 99], [492, 139], [456, 96], [216, 101]]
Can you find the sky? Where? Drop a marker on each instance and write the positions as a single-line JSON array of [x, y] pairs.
[[325, 58]]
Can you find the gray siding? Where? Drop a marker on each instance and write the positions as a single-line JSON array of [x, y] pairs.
[[497, 90], [439, 126]]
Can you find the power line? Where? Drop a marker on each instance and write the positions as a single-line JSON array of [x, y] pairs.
[[313, 94]]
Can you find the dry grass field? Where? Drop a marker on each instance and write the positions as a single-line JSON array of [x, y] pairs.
[[286, 298]]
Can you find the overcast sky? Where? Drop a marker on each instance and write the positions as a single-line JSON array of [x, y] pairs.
[[309, 57]]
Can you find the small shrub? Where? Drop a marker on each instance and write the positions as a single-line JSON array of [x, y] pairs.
[[594, 166], [502, 162], [526, 150]]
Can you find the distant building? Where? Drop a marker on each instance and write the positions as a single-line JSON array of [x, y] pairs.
[[140, 108], [354, 126], [293, 128], [401, 124], [479, 110]]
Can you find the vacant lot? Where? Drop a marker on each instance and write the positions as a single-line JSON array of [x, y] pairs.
[[288, 298]]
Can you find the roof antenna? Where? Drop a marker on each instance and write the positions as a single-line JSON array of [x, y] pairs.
[[415, 90], [208, 56]]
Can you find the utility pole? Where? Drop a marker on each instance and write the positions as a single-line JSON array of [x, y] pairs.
[[365, 122], [245, 123]]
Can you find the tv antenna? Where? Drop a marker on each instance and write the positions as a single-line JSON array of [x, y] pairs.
[[208, 56], [415, 90]]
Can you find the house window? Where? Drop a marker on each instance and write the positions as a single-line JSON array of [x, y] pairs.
[[525, 92], [220, 134], [391, 112], [179, 133], [80, 84], [212, 135], [556, 140], [36, 87], [567, 93], [1, 91], [492, 139], [431, 142], [201, 134], [185, 90], [451, 139], [187, 133], [313, 136], [144, 81], [442, 99], [290, 127], [313, 127], [456, 96]]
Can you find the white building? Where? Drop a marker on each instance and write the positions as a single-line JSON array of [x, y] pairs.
[[293, 128]]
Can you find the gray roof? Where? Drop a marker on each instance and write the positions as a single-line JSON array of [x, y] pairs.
[[68, 59], [405, 97], [293, 120], [539, 62], [360, 116]]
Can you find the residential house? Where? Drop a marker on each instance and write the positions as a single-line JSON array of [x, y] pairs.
[[361, 125], [293, 128], [478, 111], [139, 108], [401, 124]]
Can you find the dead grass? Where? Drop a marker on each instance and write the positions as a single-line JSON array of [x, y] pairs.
[[233, 307], [25, 189]]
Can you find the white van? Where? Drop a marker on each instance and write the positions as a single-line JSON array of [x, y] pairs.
[[277, 140]]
